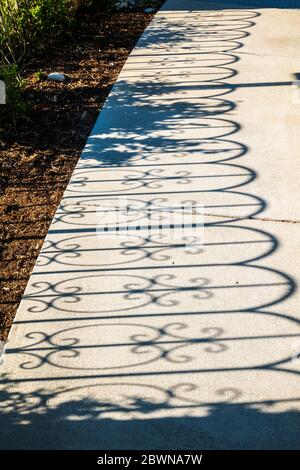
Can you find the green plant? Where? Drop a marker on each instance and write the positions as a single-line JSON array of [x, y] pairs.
[[47, 18], [15, 104], [28, 24], [12, 41], [40, 75]]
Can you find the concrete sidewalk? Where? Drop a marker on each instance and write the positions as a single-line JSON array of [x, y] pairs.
[[158, 341]]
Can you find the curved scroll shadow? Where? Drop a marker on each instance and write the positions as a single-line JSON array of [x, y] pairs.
[[149, 172], [44, 420], [149, 150]]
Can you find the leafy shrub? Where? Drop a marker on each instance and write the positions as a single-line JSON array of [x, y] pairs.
[[14, 102], [12, 42], [26, 24], [48, 18]]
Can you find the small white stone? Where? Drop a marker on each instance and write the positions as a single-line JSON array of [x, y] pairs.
[[56, 77]]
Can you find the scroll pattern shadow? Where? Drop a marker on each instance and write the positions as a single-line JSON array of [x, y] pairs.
[[155, 161]]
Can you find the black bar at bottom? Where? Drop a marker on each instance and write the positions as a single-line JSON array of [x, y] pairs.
[[137, 459]]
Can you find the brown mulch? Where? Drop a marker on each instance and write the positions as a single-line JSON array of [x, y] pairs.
[[36, 160]]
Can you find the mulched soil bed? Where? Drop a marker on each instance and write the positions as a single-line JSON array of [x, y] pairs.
[[36, 160]]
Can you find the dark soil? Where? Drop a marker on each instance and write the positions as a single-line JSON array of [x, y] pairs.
[[37, 159]]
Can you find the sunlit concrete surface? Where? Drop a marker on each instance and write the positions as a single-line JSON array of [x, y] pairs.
[[151, 341]]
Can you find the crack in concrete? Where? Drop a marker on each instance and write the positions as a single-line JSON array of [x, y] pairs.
[[261, 219], [267, 55]]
